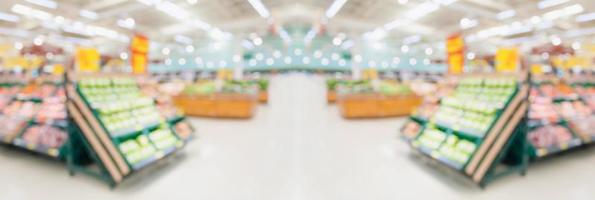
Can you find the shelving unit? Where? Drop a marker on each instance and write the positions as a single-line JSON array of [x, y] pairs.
[[34, 115], [117, 152], [478, 155], [553, 115]]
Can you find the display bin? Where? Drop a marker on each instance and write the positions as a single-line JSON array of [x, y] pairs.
[[376, 105], [218, 105], [331, 96], [263, 96]]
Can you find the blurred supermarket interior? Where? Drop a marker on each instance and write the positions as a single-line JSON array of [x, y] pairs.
[[297, 99]]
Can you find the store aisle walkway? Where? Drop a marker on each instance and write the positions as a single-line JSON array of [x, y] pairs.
[[295, 148]]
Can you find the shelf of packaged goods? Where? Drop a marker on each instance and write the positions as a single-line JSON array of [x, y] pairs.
[[156, 157], [573, 143], [131, 131], [41, 149], [63, 124], [438, 157], [531, 124]]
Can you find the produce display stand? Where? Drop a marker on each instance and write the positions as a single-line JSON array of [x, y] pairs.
[[375, 105], [98, 151], [218, 105], [30, 130], [501, 151]]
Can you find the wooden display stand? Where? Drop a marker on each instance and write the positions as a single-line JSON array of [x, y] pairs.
[[263, 96], [331, 96], [218, 105], [377, 105]]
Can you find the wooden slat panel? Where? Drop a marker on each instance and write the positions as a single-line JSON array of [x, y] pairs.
[[95, 144], [101, 134], [502, 140], [495, 131]]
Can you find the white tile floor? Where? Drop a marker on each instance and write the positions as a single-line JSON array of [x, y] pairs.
[[298, 148]]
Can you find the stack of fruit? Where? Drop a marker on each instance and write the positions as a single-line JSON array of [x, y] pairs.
[[163, 138], [411, 129], [45, 135], [431, 138], [475, 103], [183, 129], [456, 149], [22, 109], [137, 149], [391, 89], [546, 136], [119, 103]]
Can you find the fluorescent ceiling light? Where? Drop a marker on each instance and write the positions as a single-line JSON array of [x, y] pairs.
[[88, 14], [44, 3], [260, 8], [172, 10], [394, 24], [334, 8], [506, 14], [564, 12], [128, 23], [412, 39], [550, 3], [422, 10], [467, 23], [15, 32], [183, 39], [31, 12], [586, 17], [9, 17]]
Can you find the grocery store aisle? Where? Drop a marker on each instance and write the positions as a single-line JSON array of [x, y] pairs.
[[298, 148]]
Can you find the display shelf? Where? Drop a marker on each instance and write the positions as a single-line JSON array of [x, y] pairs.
[[132, 131], [437, 156], [123, 152], [477, 158], [40, 149], [554, 149], [156, 157]]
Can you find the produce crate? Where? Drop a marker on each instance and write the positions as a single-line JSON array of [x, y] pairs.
[[218, 105], [376, 105]]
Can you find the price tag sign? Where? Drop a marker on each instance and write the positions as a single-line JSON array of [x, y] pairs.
[[564, 146], [139, 59], [507, 59], [53, 152], [31, 146], [541, 152]]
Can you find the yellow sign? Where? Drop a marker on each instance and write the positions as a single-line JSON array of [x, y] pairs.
[[455, 46], [87, 59], [507, 60], [370, 74], [536, 69], [58, 69], [139, 59]]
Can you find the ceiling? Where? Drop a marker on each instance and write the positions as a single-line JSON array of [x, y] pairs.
[[239, 18]]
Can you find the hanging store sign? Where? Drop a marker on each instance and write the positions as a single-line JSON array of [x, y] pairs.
[[455, 48], [507, 60], [139, 48], [87, 59]]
